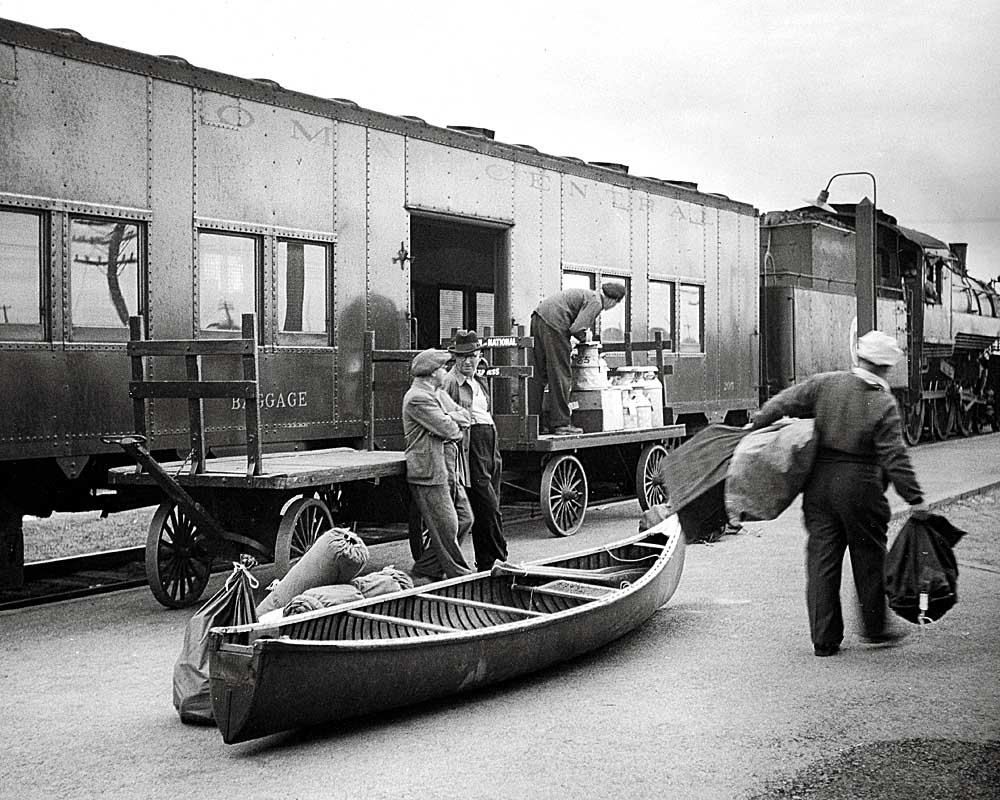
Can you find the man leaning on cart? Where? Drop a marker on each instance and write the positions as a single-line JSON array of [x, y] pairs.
[[434, 426]]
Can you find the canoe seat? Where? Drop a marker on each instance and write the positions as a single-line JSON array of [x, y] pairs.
[[572, 589]]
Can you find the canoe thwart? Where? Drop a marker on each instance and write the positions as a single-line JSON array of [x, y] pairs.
[[571, 589], [605, 576]]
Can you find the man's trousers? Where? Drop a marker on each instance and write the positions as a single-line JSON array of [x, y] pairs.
[[447, 516], [552, 351], [484, 496]]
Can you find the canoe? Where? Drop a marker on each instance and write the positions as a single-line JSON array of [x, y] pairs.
[[439, 639]]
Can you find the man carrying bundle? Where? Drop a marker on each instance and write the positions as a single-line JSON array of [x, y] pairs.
[[434, 427], [860, 450], [566, 315]]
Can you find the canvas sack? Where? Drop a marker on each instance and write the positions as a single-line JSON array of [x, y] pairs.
[[769, 468]]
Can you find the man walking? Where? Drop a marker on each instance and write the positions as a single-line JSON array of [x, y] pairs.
[[434, 427], [568, 314], [482, 452], [860, 449]]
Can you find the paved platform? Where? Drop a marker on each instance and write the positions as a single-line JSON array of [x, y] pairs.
[[716, 696]]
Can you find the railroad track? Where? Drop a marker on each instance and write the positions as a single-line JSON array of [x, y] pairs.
[[73, 577]]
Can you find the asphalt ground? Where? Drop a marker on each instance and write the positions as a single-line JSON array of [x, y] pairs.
[[717, 696]]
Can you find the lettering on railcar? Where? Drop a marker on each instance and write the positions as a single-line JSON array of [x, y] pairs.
[[540, 181], [299, 131], [234, 116], [275, 400], [501, 341]]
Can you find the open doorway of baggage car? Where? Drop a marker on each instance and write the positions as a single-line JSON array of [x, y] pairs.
[[458, 279]]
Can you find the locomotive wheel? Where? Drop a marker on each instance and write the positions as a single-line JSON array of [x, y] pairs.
[[301, 525], [564, 495], [178, 564], [649, 487], [941, 421], [965, 418], [913, 422]]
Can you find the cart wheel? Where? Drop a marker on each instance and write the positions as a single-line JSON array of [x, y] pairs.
[[649, 488], [178, 564], [913, 422], [563, 495], [301, 525]]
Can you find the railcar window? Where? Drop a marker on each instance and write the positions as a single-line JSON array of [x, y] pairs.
[[21, 275], [615, 321], [691, 319], [227, 275], [661, 310], [303, 291], [450, 308], [105, 265], [484, 311], [578, 280]]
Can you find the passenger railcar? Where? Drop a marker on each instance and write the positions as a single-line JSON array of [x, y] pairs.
[[946, 321], [137, 184]]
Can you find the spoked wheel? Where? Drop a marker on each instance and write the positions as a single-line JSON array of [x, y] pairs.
[[965, 418], [178, 563], [913, 422], [563, 495], [301, 525], [649, 487], [940, 418]]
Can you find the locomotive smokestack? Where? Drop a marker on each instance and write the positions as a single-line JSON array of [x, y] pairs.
[[960, 250]]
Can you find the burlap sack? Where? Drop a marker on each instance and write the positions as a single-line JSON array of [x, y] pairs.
[[385, 581], [337, 556], [322, 597]]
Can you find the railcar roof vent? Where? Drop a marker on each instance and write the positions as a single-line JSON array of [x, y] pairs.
[[717, 194], [344, 101], [471, 130], [268, 82], [69, 33], [683, 184], [574, 159], [622, 168], [527, 147], [413, 118], [176, 60]]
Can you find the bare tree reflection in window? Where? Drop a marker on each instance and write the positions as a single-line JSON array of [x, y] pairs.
[[111, 249]]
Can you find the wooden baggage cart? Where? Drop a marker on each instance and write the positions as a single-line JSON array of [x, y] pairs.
[[270, 505], [554, 470]]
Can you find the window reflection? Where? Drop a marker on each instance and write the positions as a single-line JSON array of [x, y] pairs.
[[450, 307], [614, 321], [227, 276], [661, 310], [691, 318], [104, 276], [20, 275], [302, 287]]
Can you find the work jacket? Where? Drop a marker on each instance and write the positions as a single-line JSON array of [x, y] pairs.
[[461, 393], [432, 435], [571, 311]]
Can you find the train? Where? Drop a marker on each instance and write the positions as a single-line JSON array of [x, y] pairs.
[[142, 185]]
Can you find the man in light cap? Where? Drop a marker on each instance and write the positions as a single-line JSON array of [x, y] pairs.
[[555, 322], [434, 426], [861, 449]]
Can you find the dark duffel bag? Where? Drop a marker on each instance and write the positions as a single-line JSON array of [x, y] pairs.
[[921, 573]]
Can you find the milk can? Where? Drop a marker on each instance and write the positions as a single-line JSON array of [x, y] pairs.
[[590, 370]]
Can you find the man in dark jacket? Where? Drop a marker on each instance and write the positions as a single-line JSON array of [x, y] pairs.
[[557, 320], [482, 452], [861, 448], [434, 427]]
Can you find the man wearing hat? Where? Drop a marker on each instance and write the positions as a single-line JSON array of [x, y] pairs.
[[434, 427], [568, 314], [481, 450], [861, 449]]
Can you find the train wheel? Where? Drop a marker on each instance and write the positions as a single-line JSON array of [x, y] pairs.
[[649, 487], [564, 495], [941, 421], [301, 525], [913, 422], [965, 418], [178, 563]]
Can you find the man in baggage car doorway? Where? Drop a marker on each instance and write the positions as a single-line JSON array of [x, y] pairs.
[[434, 426], [481, 449], [555, 322], [861, 449]]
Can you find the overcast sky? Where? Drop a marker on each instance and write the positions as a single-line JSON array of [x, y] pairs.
[[762, 101]]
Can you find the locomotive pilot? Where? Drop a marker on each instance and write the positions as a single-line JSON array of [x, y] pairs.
[[566, 315], [434, 426]]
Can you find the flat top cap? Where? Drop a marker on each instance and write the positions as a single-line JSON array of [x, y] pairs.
[[426, 361]]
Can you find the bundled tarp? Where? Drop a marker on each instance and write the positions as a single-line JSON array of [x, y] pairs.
[[231, 605], [769, 468], [921, 573], [695, 477], [337, 556]]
